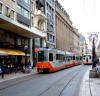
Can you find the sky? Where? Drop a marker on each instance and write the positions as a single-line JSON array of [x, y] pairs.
[[85, 15]]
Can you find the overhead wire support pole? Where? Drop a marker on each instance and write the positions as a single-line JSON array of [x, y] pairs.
[[93, 54], [93, 38]]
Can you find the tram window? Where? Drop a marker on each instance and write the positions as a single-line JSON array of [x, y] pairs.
[[68, 59], [57, 56], [73, 57], [60, 57], [42, 56], [50, 56], [90, 57], [80, 58], [63, 57]]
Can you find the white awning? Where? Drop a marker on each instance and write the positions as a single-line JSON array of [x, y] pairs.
[[3, 53]]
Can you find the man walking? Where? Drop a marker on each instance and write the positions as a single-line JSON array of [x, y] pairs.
[[2, 67]]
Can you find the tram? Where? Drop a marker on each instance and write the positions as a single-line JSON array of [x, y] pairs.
[[87, 59], [51, 60]]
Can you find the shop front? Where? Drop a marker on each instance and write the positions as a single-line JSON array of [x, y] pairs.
[[16, 46], [14, 52]]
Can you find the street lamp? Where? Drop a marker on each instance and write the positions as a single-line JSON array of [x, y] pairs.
[[93, 38], [25, 49]]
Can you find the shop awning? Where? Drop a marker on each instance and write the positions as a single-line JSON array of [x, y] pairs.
[[12, 52]]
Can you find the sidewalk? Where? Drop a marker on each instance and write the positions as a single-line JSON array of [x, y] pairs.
[[90, 86], [16, 75]]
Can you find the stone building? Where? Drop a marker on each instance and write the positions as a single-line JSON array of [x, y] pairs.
[[76, 46], [64, 29], [38, 20], [20, 22]]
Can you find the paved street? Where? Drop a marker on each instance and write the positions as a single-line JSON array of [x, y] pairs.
[[62, 83]]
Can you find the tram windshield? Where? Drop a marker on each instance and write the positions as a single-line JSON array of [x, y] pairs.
[[42, 56]]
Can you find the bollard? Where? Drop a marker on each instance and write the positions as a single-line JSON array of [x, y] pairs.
[[93, 73]]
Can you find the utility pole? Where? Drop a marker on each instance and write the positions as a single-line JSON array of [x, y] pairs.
[[94, 58], [93, 38]]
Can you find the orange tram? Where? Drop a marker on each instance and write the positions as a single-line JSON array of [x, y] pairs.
[[50, 60], [87, 59]]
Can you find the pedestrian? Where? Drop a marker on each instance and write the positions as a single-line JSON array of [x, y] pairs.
[[15, 65], [2, 67]]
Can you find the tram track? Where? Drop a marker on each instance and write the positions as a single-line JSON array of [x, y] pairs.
[[73, 77], [56, 82], [32, 77]]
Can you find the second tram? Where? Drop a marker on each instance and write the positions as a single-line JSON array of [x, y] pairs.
[[87, 59]]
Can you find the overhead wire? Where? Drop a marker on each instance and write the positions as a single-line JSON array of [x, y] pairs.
[[94, 3]]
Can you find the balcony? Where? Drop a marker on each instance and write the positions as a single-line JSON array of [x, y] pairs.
[[39, 14], [39, 20]]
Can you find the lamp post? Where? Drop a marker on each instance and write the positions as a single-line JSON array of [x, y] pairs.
[[93, 54], [25, 49], [93, 38]]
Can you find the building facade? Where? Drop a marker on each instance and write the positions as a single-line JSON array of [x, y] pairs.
[[38, 20], [83, 45], [76, 46], [64, 30], [50, 23], [20, 22]]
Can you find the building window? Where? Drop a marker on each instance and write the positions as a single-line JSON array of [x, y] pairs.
[[23, 12], [32, 6], [19, 9], [26, 13], [53, 39], [19, 41], [13, 0], [6, 11], [12, 14], [26, 1], [32, 21], [26, 41], [0, 8], [47, 36]]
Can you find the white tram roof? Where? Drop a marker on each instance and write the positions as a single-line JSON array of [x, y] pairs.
[[50, 49], [56, 50], [87, 54]]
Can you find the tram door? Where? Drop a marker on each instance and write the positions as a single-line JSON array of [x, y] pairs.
[[87, 60]]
